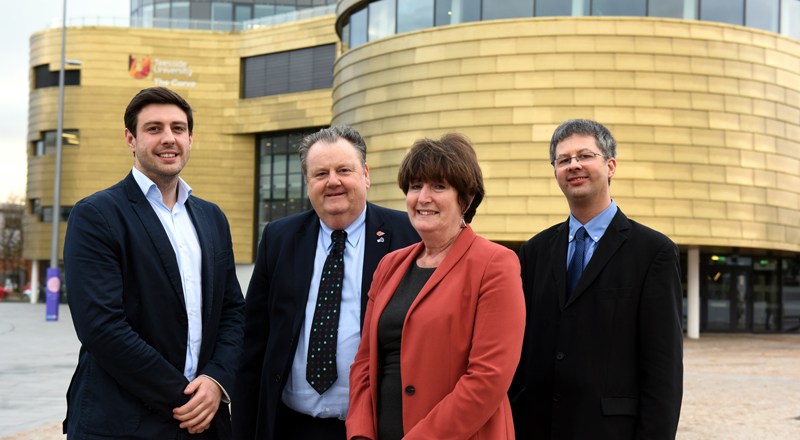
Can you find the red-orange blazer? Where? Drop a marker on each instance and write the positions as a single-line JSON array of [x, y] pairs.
[[461, 344]]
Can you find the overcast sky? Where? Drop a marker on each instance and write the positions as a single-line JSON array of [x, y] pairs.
[[17, 22]]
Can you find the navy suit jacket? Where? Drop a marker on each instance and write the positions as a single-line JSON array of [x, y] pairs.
[[276, 303], [607, 363], [129, 312]]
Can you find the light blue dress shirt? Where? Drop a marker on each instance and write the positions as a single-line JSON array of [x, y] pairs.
[[183, 237], [298, 394], [596, 227]]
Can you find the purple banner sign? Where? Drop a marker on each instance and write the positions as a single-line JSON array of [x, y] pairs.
[[53, 293]]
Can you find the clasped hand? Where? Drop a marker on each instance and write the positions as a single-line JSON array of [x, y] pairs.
[[197, 413]]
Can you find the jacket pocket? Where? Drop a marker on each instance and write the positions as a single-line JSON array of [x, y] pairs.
[[106, 407], [620, 406]]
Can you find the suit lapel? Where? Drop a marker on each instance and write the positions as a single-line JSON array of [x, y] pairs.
[[155, 230], [559, 243], [375, 248], [207, 253], [305, 248], [606, 248]]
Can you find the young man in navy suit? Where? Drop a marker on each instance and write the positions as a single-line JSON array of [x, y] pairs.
[[602, 356], [153, 293], [277, 396]]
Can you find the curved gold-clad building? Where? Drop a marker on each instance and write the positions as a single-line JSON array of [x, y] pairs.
[[703, 97]]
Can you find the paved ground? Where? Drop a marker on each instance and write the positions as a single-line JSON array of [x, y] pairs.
[[737, 387]]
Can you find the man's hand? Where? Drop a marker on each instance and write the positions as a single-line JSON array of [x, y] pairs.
[[197, 413]]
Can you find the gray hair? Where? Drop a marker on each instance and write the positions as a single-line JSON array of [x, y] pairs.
[[585, 127], [329, 136]]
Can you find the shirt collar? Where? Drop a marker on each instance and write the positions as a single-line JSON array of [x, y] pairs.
[[597, 226], [354, 231], [151, 191]]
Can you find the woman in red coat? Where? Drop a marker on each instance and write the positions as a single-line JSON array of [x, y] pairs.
[[445, 318]]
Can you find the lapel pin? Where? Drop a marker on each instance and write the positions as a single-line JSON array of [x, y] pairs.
[[381, 234], [380, 240]]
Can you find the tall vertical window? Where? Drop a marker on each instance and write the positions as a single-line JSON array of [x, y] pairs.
[[243, 13], [507, 9], [381, 19], [790, 289], [147, 16], [162, 15], [790, 18], [630, 8], [723, 11], [180, 15], [221, 16], [358, 28], [263, 10], [553, 8], [762, 14], [457, 11], [766, 295], [414, 14], [281, 184], [673, 8]]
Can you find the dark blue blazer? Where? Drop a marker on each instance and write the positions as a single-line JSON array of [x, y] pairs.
[[129, 312], [276, 302], [607, 364]]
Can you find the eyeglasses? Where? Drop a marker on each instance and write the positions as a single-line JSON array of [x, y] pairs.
[[583, 158]]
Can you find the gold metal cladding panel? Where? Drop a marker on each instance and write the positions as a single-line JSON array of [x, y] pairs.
[[222, 168], [706, 115]]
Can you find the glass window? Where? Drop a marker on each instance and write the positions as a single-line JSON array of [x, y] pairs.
[[200, 14], [346, 37], [791, 295], [670, 8], [723, 11], [134, 5], [286, 72], [381, 19], [281, 187], [263, 11], [414, 14], [766, 301], [457, 11], [553, 8], [36, 206], [180, 15], [630, 8], [221, 16], [162, 15], [762, 14], [285, 9], [507, 9], [790, 18], [147, 16], [243, 13], [47, 214], [47, 145], [358, 28], [44, 77]]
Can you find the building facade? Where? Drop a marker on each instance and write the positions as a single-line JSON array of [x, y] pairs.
[[703, 97]]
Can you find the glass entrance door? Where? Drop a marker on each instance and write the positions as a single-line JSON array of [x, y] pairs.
[[725, 303]]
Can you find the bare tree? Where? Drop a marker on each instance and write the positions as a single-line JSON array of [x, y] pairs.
[[11, 237]]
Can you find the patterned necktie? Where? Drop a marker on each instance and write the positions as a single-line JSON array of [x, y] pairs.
[[321, 360], [575, 268]]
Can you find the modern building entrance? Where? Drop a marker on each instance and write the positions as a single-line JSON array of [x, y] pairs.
[[740, 294]]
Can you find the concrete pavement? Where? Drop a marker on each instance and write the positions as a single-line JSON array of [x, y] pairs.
[[736, 386]]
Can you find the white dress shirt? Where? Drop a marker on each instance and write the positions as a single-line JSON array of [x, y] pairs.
[[298, 394], [183, 237]]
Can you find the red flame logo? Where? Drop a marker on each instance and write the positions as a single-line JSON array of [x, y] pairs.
[[141, 73]]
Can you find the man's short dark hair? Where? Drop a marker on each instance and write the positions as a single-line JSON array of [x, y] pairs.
[[585, 127], [330, 136], [155, 95], [451, 158]]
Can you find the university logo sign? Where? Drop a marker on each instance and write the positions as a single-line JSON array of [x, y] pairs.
[[143, 70]]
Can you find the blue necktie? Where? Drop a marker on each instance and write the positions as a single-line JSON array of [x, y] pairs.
[[321, 360], [575, 268]]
